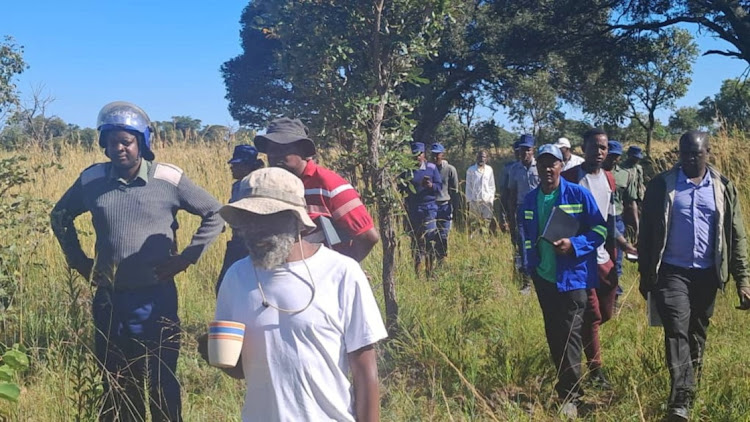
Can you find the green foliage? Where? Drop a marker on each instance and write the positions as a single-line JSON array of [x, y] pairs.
[[726, 20], [25, 216], [660, 69], [685, 119], [13, 362], [730, 107], [11, 65], [533, 103]]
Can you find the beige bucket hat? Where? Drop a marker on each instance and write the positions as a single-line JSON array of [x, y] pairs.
[[268, 191]]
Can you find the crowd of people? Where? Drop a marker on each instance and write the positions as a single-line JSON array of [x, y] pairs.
[[291, 270]]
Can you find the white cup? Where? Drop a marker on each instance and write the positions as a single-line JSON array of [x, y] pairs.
[[225, 343]]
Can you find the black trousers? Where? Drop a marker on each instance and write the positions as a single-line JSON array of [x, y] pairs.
[[563, 322], [685, 301]]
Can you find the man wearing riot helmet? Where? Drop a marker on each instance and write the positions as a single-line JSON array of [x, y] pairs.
[[133, 201]]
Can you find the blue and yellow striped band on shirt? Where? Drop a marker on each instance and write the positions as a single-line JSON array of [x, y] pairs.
[[572, 208], [601, 230], [528, 214], [527, 244]]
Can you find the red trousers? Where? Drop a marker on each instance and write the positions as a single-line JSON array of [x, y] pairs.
[[600, 309]]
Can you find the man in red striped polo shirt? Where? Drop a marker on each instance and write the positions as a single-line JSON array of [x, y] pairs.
[[331, 200]]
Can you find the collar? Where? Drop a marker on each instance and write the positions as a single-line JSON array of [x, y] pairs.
[[705, 181], [310, 169], [423, 165], [142, 173]]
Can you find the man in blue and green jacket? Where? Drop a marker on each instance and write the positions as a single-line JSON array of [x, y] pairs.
[[562, 271]]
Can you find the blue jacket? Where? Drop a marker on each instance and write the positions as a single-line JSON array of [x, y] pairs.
[[422, 196], [578, 270]]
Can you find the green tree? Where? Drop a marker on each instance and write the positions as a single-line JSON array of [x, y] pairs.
[[533, 103], [731, 106], [11, 65], [725, 19], [685, 119], [659, 74], [354, 59], [187, 127]]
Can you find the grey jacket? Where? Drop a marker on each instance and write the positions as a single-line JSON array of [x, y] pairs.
[[730, 243]]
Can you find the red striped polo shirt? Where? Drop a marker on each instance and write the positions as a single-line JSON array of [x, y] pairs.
[[329, 195]]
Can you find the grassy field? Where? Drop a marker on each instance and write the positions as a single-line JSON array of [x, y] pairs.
[[471, 348]]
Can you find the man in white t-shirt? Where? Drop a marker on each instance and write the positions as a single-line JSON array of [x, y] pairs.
[[310, 316], [600, 309]]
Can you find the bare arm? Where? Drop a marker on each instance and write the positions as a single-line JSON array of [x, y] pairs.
[[362, 244], [366, 388]]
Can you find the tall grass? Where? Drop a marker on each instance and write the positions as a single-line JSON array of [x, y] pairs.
[[472, 347]]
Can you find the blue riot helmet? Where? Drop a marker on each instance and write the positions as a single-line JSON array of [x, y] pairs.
[[128, 116]]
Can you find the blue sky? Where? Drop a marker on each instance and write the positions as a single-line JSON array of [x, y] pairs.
[[165, 56]]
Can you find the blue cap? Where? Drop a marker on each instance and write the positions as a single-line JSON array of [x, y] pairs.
[[615, 147], [437, 148], [551, 150], [635, 151], [526, 140], [417, 147], [244, 154]]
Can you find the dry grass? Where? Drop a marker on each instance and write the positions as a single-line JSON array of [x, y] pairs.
[[473, 348]]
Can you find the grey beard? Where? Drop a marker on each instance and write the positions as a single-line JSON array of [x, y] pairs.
[[270, 251]]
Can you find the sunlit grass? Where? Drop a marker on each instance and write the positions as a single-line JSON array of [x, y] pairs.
[[472, 347]]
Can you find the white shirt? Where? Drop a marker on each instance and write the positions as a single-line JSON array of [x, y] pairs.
[[575, 160], [296, 365], [599, 187], [480, 185]]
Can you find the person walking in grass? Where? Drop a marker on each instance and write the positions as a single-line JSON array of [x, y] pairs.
[[311, 320], [633, 162], [507, 220], [625, 195], [421, 188], [601, 299], [480, 192], [341, 218], [133, 201], [446, 200], [243, 162], [562, 271], [522, 179], [692, 238]]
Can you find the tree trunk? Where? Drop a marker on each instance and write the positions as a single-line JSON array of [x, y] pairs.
[[380, 185], [650, 131]]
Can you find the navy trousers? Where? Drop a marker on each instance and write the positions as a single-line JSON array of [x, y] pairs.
[[138, 339], [444, 218]]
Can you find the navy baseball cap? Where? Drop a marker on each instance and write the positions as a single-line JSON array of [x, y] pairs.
[[437, 148], [551, 150], [635, 151], [526, 140], [614, 147], [417, 148], [244, 154]]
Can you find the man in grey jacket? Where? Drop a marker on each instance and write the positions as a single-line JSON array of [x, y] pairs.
[[446, 200], [692, 237]]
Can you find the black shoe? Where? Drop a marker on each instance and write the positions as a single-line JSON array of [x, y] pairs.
[[678, 414], [679, 409], [599, 380]]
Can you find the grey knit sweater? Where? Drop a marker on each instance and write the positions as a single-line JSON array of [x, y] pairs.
[[134, 222]]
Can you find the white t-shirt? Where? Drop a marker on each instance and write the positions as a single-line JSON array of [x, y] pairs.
[[296, 365], [575, 160], [599, 187]]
